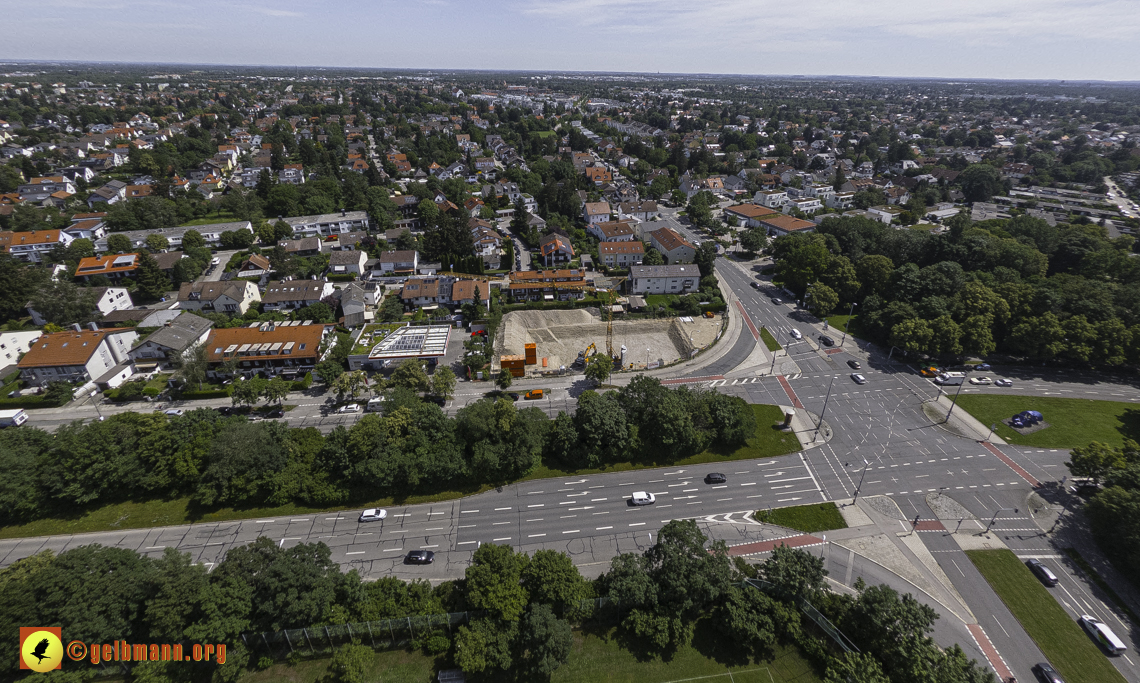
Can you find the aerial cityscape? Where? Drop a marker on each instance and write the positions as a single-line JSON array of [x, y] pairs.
[[498, 373]]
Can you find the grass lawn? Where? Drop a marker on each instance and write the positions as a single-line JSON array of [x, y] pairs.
[[1072, 421], [766, 443], [220, 217], [593, 659], [1063, 641], [769, 340], [806, 518]]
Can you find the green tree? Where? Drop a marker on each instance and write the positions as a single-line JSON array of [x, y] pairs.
[[59, 393], [855, 667], [276, 390], [349, 383], [410, 374], [192, 365], [329, 370], [153, 283], [62, 303], [705, 258], [598, 368], [653, 258], [248, 392], [552, 579], [795, 571], [503, 381], [874, 273], [743, 617], [1096, 460], [912, 335], [156, 243], [800, 259], [840, 276], [118, 243], [443, 382], [392, 309], [485, 645], [603, 435], [350, 664], [821, 300], [754, 239], [192, 239], [980, 182], [494, 581], [543, 643]]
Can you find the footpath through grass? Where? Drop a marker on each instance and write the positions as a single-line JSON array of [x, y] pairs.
[[1072, 421], [593, 659], [806, 518], [769, 340], [766, 443], [1063, 641]]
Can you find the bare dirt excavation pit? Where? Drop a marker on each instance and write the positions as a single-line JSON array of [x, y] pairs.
[[561, 335]]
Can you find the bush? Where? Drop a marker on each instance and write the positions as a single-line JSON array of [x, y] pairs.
[[207, 393], [303, 384], [151, 391], [341, 277], [437, 645]]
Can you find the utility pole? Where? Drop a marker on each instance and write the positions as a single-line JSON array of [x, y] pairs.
[[996, 513], [848, 322], [866, 466], [955, 401], [822, 414]]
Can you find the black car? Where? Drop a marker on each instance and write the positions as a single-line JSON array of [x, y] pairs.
[[1047, 673], [716, 478], [854, 364], [276, 413], [513, 396], [826, 340], [1047, 577], [419, 557], [224, 410]]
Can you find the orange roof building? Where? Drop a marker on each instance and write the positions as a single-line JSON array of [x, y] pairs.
[[114, 266], [269, 348]]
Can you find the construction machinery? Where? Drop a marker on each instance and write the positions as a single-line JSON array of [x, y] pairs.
[[584, 356]]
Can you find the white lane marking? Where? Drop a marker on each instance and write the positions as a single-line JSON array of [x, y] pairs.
[[439, 528], [423, 547], [575, 531], [500, 523], [358, 552], [638, 524], [600, 528], [503, 539], [467, 542], [501, 509], [535, 535], [749, 484], [462, 512], [298, 520]]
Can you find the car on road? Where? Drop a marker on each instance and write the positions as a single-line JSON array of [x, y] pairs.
[[173, 412], [533, 394], [1037, 567], [854, 365], [1046, 673], [373, 515], [419, 557], [981, 380], [796, 334], [755, 285], [1102, 634], [225, 410], [1003, 383], [982, 367], [858, 379], [642, 498], [826, 340], [513, 396], [776, 300], [275, 413], [350, 408], [715, 478]]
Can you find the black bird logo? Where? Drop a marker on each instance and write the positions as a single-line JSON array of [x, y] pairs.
[[41, 648]]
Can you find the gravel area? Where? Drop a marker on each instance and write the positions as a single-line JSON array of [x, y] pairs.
[[884, 506], [945, 507]]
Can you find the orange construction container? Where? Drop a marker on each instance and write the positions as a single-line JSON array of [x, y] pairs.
[[516, 365], [531, 354]]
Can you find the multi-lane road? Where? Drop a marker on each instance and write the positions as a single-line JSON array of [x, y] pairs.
[[874, 439]]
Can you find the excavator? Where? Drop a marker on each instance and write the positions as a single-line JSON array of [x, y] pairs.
[[583, 356]]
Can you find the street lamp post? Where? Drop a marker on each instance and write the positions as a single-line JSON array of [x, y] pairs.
[[866, 466], [822, 414], [848, 322], [996, 513], [955, 401]]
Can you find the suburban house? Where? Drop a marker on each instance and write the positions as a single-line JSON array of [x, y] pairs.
[[772, 199], [80, 356], [173, 339], [113, 266], [357, 301], [328, 223], [423, 291], [289, 295], [235, 296], [612, 231], [781, 224], [212, 234], [599, 174], [548, 285], [463, 292], [596, 212], [643, 211], [556, 249], [306, 246], [269, 348], [670, 279], [12, 344], [107, 300], [621, 254], [90, 229], [884, 214], [804, 204], [113, 192], [345, 241], [398, 262], [254, 266], [748, 214], [841, 200], [31, 246], [347, 262], [673, 247]]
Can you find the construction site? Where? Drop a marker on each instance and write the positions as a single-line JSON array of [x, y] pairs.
[[539, 342]]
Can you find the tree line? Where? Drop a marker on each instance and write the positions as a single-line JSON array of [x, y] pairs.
[[522, 608], [412, 448], [1114, 510], [1020, 287]]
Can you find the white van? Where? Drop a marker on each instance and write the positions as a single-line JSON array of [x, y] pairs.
[[375, 405], [947, 379], [1103, 635], [13, 418]]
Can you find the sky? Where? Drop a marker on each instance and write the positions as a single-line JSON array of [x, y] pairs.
[[1009, 39]]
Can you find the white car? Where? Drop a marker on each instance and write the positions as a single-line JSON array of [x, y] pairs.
[[1003, 383], [350, 408], [796, 334], [858, 379], [981, 380], [642, 498], [173, 412], [373, 515]]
